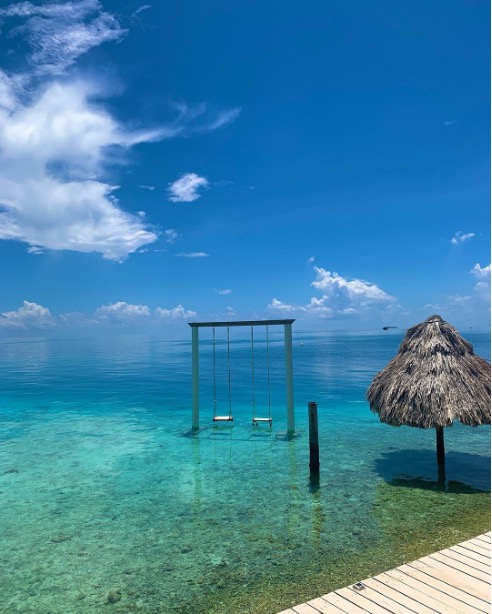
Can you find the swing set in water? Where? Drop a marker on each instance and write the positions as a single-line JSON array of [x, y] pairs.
[[257, 419]]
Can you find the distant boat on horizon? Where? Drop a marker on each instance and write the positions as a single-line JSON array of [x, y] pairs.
[[387, 327]]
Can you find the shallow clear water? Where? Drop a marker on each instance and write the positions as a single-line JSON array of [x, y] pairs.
[[103, 488]]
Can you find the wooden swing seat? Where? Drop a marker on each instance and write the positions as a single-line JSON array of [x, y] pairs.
[[223, 419], [257, 420]]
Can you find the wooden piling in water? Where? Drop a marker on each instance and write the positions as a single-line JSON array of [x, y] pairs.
[[313, 438]]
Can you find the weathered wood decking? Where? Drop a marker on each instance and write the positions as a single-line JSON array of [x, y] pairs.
[[452, 581]]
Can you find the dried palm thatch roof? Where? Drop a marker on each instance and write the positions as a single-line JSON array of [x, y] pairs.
[[434, 379]]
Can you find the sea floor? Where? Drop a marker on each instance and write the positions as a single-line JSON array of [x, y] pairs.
[[107, 509]]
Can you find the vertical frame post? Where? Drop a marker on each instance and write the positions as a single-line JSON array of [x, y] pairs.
[[289, 378], [195, 378]]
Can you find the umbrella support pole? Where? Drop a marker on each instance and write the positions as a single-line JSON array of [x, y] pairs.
[[440, 453]]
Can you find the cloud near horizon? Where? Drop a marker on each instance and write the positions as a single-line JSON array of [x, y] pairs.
[[341, 298], [121, 312], [31, 316], [482, 287], [177, 313], [470, 305], [58, 137]]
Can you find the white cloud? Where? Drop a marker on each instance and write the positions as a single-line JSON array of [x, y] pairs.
[[121, 312], [277, 305], [30, 315], [467, 309], [224, 292], [35, 250], [8, 91], [64, 131], [74, 319], [50, 150], [78, 216], [144, 7], [171, 235], [176, 313], [223, 118], [461, 237], [482, 287], [321, 308], [337, 287], [58, 138], [199, 118], [185, 189], [481, 273], [317, 307], [60, 32], [193, 255], [341, 298], [450, 122]]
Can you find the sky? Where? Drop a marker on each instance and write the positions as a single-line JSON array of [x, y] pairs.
[[323, 160]]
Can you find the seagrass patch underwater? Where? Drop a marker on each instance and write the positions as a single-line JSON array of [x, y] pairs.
[[108, 504]]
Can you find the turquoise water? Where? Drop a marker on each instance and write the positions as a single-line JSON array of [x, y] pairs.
[[108, 503]]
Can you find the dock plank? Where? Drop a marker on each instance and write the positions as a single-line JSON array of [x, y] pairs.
[[320, 605], [305, 608], [411, 598], [470, 554], [455, 592], [471, 548], [483, 538], [455, 580], [422, 593], [389, 588], [456, 555], [454, 564], [346, 606], [478, 546], [466, 583], [360, 599]]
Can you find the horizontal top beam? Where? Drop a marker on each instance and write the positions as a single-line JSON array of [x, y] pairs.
[[242, 323]]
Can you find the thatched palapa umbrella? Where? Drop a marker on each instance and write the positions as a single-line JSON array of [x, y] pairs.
[[434, 379]]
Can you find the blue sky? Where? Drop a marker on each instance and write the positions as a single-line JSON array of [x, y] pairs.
[[326, 161]]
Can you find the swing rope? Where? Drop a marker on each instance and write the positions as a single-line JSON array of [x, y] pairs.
[[228, 417], [253, 373], [268, 372], [257, 420], [214, 369], [229, 371]]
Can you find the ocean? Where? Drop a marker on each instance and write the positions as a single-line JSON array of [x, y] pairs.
[[110, 504]]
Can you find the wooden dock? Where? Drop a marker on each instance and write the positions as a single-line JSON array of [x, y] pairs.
[[451, 581]]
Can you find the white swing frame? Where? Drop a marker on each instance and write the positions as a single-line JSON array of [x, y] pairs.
[[289, 371]]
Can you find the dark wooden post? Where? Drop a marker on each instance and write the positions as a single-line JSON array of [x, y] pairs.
[[313, 438], [441, 461]]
